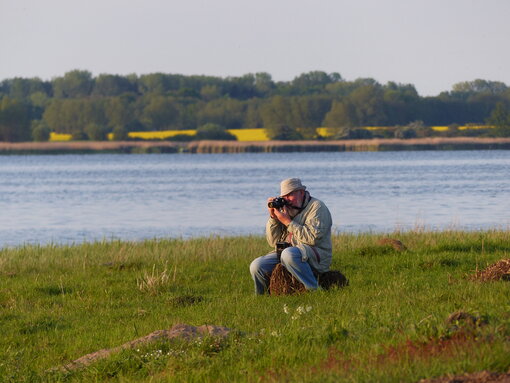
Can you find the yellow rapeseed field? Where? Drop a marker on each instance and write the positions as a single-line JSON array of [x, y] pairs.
[[475, 127], [250, 134], [160, 135], [60, 137], [242, 134]]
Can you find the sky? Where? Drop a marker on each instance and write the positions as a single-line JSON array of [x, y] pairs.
[[432, 44]]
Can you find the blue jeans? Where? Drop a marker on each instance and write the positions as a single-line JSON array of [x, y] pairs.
[[262, 267]]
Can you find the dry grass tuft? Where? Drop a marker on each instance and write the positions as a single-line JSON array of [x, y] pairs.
[[495, 272], [154, 282], [282, 282]]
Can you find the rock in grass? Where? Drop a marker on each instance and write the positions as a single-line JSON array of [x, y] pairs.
[[461, 320], [332, 278], [179, 331], [391, 242]]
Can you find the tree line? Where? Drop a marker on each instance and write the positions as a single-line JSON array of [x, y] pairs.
[[91, 107]]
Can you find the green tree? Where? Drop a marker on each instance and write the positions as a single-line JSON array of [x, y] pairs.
[[14, 120], [108, 85], [120, 133], [213, 132], [479, 86], [79, 135], [252, 118], [210, 92], [369, 105], [241, 88], [264, 84], [39, 100], [342, 114], [363, 106], [160, 113], [276, 111], [40, 131], [314, 81], [155, 83], [73, 115], [308, 112], [415, 129], [282, 132], [21, 88], [95, 132], [500, 119], [119, 112], [74, 84], [355, 134], [227, 112], [400, 103]]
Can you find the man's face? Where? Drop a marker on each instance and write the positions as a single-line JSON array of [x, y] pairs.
[[295, 198]]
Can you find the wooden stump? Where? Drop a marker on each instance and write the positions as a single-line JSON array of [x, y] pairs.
[[282, 282]]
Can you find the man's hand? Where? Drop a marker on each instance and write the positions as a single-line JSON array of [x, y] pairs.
[[271, 210], [283, 216]]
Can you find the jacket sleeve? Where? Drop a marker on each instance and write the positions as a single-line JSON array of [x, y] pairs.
[[275, 231], [317, 223]]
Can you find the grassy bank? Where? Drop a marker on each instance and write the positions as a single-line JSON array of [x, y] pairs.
[[447, 143], [389, 325]]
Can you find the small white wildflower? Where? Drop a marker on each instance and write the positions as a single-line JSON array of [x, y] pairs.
[[294, 317], [308, 308], [300, 310], [275, 333], [285, 309]]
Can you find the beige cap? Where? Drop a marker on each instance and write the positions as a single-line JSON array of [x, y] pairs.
[[289, 185]]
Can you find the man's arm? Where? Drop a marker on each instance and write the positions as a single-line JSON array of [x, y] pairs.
[[275, 231], [317, 223]]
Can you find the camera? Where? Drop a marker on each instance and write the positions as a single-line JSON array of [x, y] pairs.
[[280, 246], [277, 203]]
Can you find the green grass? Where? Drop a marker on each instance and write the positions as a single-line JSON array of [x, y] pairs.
[[58, 303]]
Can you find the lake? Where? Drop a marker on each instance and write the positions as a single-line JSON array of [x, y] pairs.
[[66, 199]]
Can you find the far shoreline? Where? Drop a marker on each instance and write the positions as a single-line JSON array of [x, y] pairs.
[[211, 146]]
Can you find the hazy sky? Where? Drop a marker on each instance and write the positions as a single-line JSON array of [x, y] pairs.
[[432, 44]]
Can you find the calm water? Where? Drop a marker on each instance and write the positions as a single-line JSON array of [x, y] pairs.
[[75, 198]]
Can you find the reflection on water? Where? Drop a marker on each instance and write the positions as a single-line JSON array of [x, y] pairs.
[[74, 198]]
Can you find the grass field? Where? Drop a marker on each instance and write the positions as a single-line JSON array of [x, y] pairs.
[[389, 325]]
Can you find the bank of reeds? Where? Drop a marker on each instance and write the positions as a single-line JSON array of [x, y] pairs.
[[392, 323], [447, 143], [212, 146]]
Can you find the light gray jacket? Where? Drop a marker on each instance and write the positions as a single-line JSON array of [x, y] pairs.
[[311, 233]]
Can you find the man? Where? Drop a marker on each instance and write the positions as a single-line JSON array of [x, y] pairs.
[[305, 223]]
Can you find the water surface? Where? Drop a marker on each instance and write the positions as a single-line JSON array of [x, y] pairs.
[[76, 198]]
